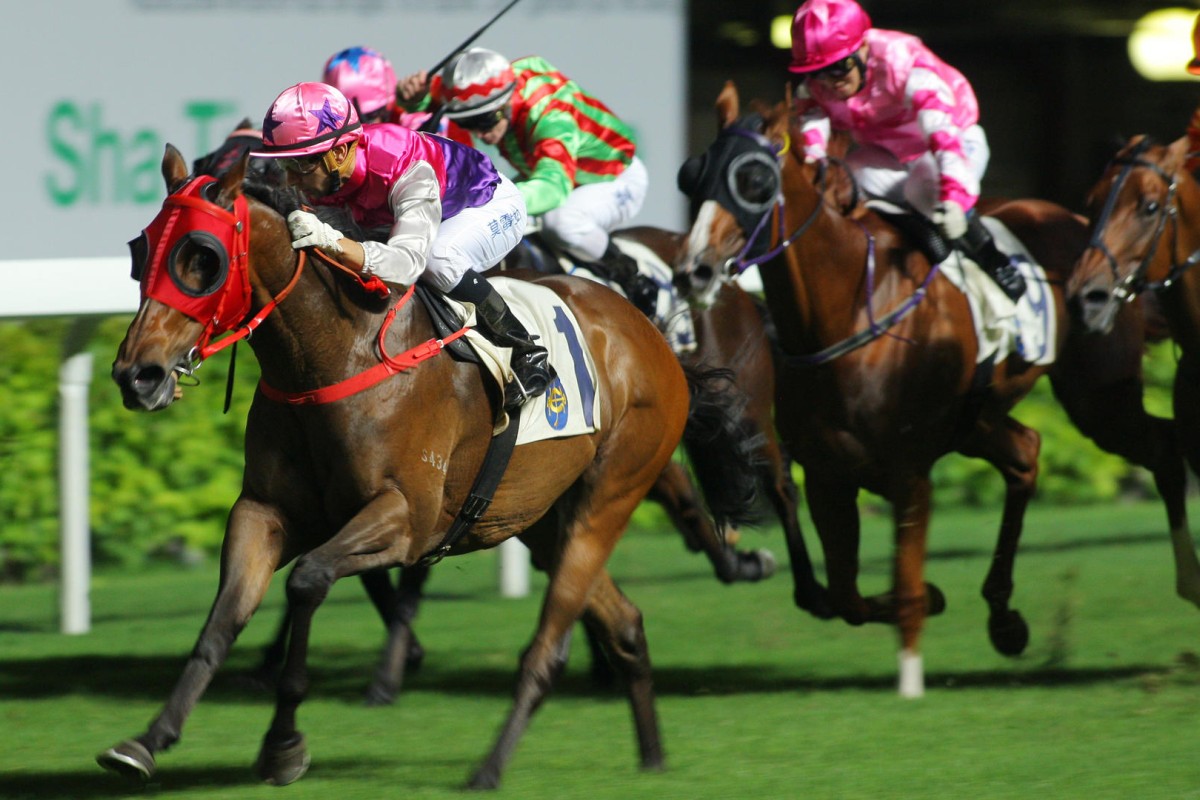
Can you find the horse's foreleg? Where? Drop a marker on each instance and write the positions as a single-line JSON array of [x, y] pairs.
[[249, 556], [678, 496], [834, 510], [402, 649], [1013, 450], [367, 542], [776, 481], [587, 543], [910, 509]]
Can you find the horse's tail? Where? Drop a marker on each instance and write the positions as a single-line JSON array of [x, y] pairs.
[[722, 445]]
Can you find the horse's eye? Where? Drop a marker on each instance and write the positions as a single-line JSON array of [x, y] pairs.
[[1151, 207]]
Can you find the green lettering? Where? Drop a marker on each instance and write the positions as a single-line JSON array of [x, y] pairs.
[[145, 178], [104, 142], [204, 112], [64, 188]]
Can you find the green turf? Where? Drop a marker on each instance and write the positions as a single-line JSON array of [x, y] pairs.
[[756, 700]]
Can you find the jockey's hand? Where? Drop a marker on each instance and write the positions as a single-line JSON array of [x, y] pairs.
[[308, 231], [413, 87], [950, 219]]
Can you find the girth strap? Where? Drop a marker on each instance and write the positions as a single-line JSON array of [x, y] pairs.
[[495, 462]]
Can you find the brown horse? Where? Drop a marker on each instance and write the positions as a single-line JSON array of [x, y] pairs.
[[375, 479], [1146, 237], [879, 376]]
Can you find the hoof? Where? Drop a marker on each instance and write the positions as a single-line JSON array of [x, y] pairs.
[[1009, 633], [815, 600], [935, 600], [130, 759], [485, 780], [280, 765], [380, 695]]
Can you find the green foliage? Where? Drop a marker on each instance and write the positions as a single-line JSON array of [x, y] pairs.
[[163, 483]]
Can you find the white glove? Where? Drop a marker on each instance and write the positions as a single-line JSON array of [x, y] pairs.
[[950, 219], [308, 231]]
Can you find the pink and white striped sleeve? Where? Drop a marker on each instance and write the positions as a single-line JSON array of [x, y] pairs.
[[934, 102]]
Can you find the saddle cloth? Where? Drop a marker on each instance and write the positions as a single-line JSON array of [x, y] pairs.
[[571, 404], [671, 316], [1028, 327]]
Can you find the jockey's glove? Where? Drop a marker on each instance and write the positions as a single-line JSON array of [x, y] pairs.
[[308, 231], [950, 219]]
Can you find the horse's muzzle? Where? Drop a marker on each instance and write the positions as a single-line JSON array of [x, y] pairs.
[[145, 387]]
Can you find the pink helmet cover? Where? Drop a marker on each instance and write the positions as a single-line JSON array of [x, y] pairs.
[[364, 76], [308, 118], [826, 31]]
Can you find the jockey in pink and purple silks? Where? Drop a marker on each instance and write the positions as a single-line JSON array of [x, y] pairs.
[[913, 117], [449, 213]]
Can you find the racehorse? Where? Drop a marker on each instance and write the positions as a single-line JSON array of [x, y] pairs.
[[377, 477], [1145, 237], [878, 377], [729, 334]]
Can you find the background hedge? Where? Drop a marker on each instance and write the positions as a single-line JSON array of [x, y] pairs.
[[163, 483]]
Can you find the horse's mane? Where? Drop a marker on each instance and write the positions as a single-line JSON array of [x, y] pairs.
[[283, 200]]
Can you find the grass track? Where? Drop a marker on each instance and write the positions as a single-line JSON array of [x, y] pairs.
[[755, 699]]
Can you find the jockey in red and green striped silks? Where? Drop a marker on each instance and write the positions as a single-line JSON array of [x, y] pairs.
[[575, 160]]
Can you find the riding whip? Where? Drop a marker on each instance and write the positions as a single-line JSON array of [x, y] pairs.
[[431, 125]]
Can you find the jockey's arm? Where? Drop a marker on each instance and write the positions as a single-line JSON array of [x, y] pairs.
[[416, 203]]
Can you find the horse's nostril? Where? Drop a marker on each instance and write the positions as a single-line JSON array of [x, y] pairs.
[[1096, 297], [146, 379], [702, 274]]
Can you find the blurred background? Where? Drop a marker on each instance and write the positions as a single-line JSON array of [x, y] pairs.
[[1055, 79]]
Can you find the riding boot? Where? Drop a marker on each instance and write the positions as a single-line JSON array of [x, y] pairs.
[[978, 243], [622, 270], [531, 368]]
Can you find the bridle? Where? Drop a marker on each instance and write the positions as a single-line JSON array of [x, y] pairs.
[[1128, 287]]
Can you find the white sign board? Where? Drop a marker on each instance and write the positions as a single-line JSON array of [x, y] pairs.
[[96, 88]]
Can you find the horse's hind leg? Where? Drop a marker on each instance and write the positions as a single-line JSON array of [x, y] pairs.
[[249, 555], [678, 496], [574, 571], [616, 626], [1013, 449], [402, 649]]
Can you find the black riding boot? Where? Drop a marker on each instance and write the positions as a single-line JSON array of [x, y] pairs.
[[977, 243], [531, 368], [622, 269]]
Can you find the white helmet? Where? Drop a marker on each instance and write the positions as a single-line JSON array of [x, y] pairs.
[[475, 81]]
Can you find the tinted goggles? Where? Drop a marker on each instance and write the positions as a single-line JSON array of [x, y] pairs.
[[302, 165], [481, 123], [835, 71]]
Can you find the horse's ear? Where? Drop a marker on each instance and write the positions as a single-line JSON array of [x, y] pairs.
[[727, 105], [1177, 154], [174, 168], [230, 183]]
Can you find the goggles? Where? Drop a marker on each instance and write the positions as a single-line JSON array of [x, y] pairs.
[[481, 123], [302, 165], [835, 71]]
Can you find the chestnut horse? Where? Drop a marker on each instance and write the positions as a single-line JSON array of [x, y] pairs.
[[349, 485], [1146, 237], [879, 378]]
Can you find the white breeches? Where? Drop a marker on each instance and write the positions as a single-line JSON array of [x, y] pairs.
[[476, 238], [581, 224]]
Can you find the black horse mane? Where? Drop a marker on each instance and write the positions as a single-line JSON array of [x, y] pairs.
[[284, 200]]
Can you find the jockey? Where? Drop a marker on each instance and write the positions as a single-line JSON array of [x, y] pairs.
[[368, 80], [575, 160], [913, 117], [451, 215]]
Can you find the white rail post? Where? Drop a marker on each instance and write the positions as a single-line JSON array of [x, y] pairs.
[[514, 568], [74, 376]]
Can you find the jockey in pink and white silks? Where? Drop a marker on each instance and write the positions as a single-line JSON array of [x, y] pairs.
[[449, 213], [913, 117]]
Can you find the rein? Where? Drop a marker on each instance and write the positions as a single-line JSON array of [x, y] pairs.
[[1127, 288], [389, 365], [875, 328]]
